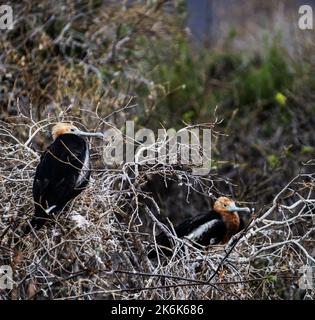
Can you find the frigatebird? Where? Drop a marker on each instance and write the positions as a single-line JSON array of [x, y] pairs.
[[214, 227], [62, 173]]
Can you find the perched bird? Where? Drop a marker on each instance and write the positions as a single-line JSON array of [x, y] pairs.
[[215, 227], [63, 172]]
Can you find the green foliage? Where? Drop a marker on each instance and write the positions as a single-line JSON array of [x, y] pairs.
[[181, 77], [273, 160], [262, 79], [193, 84], [307, 150], [281, 99]]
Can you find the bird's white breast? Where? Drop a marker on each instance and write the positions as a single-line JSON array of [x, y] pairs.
[[198, 232], [85, 168]]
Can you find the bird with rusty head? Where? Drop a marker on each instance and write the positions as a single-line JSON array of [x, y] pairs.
[[62, 173], [214, 227]]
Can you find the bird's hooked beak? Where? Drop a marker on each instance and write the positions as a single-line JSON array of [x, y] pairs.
[[233, 208], [89, 134]]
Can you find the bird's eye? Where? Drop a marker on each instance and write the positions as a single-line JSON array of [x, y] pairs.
[[72, 130]]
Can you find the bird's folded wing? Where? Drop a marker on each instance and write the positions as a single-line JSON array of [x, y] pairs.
[[54, 172], [201, 228]]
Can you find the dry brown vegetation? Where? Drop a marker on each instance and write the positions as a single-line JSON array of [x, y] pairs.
[[97, 247]]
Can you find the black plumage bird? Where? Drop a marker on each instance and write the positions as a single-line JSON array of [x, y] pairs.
[[215, 227], [63, 172]]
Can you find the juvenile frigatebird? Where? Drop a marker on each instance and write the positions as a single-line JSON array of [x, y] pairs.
[[63, 172], [214, 227]]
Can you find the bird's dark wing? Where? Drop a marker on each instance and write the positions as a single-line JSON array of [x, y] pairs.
[[211, 232], [41, 182], [57, 172], [192, 223], [209, 228], [56, 177]]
